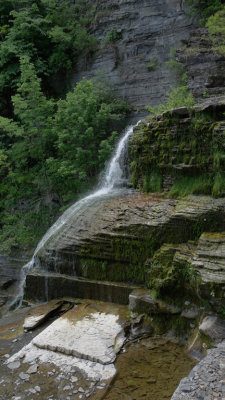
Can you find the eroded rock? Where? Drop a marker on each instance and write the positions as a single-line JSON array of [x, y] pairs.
[[39, 314], [209, 257], [213, 327]]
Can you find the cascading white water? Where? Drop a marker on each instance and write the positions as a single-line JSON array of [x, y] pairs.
[[112, 179]]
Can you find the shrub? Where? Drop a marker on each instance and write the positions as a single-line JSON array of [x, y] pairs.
[[176, 97]]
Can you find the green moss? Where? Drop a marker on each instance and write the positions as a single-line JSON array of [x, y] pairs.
[[188, 149], [133, 251], [112, 271], [172, 276]]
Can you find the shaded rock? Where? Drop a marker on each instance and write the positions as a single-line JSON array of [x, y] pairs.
[[39, 314], [64, 286], [7, 284], [190, 313], [141, 301], [204, 66], [213, 327]]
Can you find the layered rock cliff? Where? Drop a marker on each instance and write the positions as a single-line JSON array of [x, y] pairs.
[[135, 40], [204, 66], [167, 242]]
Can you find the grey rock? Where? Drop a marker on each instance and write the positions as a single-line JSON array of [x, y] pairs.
[[204, 66], [73, 379], [190, 313], [33, 391], [24, 377], [32, 369], [66, 388], [148, 30], [214, 327], [13, 365], [209, 258]]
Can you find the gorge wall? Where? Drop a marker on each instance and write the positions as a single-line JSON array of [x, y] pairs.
[[136, 62]]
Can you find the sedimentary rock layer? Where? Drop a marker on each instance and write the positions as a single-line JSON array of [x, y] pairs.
[[136, 62]]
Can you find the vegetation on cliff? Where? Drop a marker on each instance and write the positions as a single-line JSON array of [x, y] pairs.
[[212, 14], [51, 151], [181, 152], [205, 8]]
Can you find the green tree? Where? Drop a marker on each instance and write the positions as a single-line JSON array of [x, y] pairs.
[[51, 149], [52, 33], [216, 27], [205, 8]]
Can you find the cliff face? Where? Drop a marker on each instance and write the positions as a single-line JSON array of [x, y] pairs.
[[181, 144], [205, 68], [136, 62], [161, 241]]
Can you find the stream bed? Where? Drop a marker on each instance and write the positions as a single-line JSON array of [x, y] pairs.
[[149, 368]]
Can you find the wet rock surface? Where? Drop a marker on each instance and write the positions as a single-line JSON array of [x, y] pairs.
[[97, 233], [86, 332], [38, 315], [44, 286], [10, 268], [141, 301], [29, 372], [206, 380]]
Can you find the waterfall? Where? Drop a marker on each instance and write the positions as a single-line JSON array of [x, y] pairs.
[[112, 179]]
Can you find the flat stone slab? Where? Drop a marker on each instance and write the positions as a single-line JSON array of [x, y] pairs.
[[39, 314], [84, 332], [93, 331]]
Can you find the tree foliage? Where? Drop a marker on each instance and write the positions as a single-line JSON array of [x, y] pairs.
[[53, 34], [176, 97], [216, 27], [51, 150], [205, 8]]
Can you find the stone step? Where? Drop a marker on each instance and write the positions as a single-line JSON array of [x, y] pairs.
[[47, 286]]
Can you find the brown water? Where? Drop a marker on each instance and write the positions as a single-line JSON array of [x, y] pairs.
[[149, 370]]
